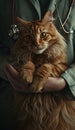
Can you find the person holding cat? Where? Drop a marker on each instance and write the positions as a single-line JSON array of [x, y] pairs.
[[63, 13], [66, 81]]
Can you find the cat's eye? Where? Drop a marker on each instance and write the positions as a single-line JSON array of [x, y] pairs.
[[43, 35]]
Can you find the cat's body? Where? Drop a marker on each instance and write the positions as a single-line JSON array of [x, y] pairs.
[[41, 52]]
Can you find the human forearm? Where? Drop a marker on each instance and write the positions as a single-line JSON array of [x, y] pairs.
[[69, 76], [55, 84]]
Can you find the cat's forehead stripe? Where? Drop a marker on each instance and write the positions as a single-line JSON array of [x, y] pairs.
[[34, 28], [37, 28]]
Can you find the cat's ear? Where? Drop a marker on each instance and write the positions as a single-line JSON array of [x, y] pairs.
[[21, 22], [48, 17]]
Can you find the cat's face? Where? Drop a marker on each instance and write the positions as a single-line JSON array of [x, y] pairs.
[[42, 37], [39, 35]]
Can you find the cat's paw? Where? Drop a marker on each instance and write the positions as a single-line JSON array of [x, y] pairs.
[[36, 85], [26, 72], [26, 76]]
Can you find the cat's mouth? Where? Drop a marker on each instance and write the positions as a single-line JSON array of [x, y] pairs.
[[40, 50]]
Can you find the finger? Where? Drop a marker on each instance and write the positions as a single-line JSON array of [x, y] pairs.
[[14, 80], [12, 71]]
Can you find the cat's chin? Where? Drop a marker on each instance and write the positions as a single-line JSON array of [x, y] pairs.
[[39, 51]]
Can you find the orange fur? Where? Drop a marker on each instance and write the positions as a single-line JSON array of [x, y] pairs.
[[41, 111]]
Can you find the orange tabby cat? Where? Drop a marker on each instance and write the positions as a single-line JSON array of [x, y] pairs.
[[40, 52]]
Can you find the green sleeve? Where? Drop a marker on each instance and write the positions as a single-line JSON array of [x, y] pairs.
[[69, 74]]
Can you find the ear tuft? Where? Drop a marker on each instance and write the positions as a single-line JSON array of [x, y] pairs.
[[48, 17]]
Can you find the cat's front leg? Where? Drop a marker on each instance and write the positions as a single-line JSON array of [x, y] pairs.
[[40, 78], [26, 72]]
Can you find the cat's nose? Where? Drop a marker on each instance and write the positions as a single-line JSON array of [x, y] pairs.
[[37, 44]]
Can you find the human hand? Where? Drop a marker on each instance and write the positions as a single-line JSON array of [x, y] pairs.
[[52, 84], [14, 79]]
